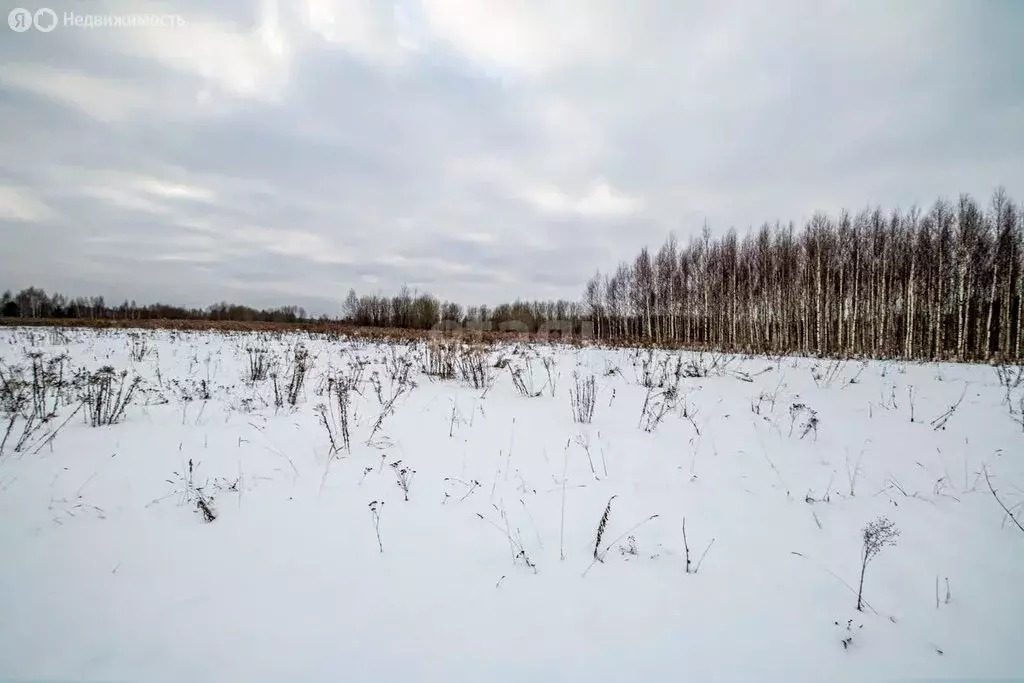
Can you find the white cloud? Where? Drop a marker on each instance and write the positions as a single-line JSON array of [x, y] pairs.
[[253, 63], [599, 200], [373, 31], [99, 98], [528, 37], [20, 205], [171, 190], [131, 191]]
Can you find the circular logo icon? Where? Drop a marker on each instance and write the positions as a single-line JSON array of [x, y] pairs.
[[19, 19], [45, 19]]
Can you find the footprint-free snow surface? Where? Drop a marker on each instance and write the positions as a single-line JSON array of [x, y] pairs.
[[474, 530]]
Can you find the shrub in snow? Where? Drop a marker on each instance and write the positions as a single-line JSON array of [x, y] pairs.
[[336, 415], [473, 367], [582, 398], [877, 535], [522, 379], [300, 366], [404, 477], [106, 394], [259, 364]]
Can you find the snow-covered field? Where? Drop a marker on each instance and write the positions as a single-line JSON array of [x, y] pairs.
[[316, 567]]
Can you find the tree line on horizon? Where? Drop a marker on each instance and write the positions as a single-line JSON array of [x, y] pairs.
[[943, 283], [35, 303]]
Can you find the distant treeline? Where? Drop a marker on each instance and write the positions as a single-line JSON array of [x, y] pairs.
[[947, 282], [33, 302], [423, 311], [405, 310]]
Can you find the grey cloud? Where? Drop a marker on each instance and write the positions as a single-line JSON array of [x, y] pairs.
[[169, 178]]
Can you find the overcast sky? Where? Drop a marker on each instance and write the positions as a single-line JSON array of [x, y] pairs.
[[280, 152]]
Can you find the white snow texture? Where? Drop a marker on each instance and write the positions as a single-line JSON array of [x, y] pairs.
[[111, 571]]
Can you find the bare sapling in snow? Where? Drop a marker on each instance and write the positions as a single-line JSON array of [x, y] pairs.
[[583, 441], [336, 415], [701, 365], [825, 377], [825, 498], [582, 398], [995, 494], [388, 408], [378, 386], [301, 362], [195, 495], [1018, 415], [853, 472], [686, 547], [657, 405], [602, 550], [376, 506], [551, 367], [454, 419], [139, 349], [949, 596], [646, 378], [658, 374], [468, 488], [876, 536], [398, 364], [473, 368], [847, 637], [523, 380], [690, 567], [440, 359], [259, 366], [856, 378], [403, 476], [689, 414], [48, 385], [630, 549], [795, 410], [755, 406], [808, 419], [939, 423], [810, 424], [27, 405], [601, 526], [1010, 377], [561, 526], [515, 541]]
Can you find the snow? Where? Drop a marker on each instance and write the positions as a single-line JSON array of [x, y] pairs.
[[109, 571]]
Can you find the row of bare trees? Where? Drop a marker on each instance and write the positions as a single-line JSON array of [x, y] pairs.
[[414, 310], [407, 309], [943, 283], [35, 303]]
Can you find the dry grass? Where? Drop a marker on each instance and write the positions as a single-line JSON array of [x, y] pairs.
[[329, 327], [340, 328]]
